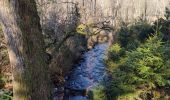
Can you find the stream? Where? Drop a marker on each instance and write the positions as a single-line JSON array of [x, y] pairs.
[[88, 73]]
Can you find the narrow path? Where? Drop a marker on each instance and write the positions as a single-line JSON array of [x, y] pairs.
[[88, 73]]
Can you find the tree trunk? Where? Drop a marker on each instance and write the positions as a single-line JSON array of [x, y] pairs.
[[21, 26]]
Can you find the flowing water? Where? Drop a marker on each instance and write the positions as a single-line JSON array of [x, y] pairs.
[[87, 73]]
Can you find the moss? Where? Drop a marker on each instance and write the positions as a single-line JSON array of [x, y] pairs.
[[82, 29]]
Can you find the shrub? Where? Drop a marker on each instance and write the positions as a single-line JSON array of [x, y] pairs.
[[98, 93], [5, 94], [163, 27], [116, 51], [146, 67], [140, 62], [131, 36]]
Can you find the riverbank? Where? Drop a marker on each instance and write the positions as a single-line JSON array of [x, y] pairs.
[[87, 74]]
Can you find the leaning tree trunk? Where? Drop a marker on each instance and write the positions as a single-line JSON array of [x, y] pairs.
[[22, 31]]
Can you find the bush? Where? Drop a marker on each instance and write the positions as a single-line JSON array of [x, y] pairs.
[[146, 67], [116, 51], [5, 94], [97, 93], [131, 36], [163, 27], [140, 62]]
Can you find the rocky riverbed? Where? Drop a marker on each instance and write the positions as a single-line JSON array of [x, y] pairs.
[[88, 73]]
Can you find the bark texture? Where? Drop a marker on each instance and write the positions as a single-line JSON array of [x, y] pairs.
[[22, 31]]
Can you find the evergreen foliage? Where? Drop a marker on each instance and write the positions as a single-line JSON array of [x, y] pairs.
[[140, 61]]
